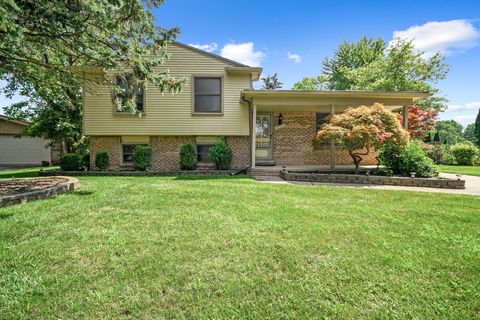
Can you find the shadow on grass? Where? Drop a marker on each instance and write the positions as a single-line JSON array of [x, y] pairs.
[[5, 216], [25, 174], [82, 193], [213, 177]]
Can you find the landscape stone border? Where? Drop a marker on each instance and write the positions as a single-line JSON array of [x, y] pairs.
[[377, 180], [24, 197], [142, 173]]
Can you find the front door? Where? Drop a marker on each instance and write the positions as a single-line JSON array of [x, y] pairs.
[[263, 150]]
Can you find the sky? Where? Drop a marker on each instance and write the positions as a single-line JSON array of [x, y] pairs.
[[291, 38]]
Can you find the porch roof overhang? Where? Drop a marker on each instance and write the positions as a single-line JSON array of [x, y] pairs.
[[299, 100]]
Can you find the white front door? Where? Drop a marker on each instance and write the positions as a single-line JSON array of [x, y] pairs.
[[263, 139]]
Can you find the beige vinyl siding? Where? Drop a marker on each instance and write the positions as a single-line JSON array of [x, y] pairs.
[[172, 114]]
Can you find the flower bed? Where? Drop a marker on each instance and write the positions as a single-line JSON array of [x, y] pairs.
[[15, 191], [370, 179], [144, 173]]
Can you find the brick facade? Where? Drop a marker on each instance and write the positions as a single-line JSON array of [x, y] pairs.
[[292, 143], [112, 145], [166, 151]]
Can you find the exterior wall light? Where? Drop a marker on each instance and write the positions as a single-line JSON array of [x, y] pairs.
[[280, 119]]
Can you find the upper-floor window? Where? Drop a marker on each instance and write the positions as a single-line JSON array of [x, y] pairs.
[[139, 95], [207, 94]]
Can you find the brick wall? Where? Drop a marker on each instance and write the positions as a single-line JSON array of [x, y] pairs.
[[166, 151], [293, 143], [110, 144], [241, 151]]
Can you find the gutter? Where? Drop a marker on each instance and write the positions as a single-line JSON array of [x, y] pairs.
[[250, 120]]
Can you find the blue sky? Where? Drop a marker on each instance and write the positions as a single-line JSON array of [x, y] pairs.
[[292, 37]]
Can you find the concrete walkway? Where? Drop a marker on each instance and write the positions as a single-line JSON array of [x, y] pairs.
[[472, 185]]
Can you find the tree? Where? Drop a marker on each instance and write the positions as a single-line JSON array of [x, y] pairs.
[[477, 128], [371, 65], [307, 83], [449, 131], [271, 82], [420, 121], [361, 129], [469, 133], [56, 44]]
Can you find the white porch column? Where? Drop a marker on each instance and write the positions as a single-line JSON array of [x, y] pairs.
[[332, 145], [405, 116], [254, 133]]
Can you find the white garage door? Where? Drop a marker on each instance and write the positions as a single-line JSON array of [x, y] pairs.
[[23, 151]]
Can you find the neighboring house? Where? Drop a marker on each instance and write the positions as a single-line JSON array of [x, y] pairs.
[[262, 127], [20, 150]]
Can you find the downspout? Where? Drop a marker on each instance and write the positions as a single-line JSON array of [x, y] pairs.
[[250, 121]]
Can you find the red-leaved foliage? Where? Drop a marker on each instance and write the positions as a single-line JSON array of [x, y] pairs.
[[420, 121]]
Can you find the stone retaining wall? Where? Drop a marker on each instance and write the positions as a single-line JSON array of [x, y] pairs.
[[379, 180], [25, 197]]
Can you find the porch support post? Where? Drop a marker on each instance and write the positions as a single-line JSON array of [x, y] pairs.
[[332, 145], [254, 134], [405, 116]]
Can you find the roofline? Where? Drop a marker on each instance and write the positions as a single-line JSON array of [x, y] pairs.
[[212, 55], [24, 123], [414, 95]]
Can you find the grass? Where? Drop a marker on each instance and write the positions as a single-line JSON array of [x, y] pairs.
[[24, 172], [467, 170], [154, 247]]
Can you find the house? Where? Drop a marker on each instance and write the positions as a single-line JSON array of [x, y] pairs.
[[17, 149], [262, 127]]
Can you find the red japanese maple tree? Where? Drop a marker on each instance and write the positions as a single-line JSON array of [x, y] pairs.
[[420, 121]]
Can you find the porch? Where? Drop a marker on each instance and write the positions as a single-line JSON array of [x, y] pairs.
[[284, 123]]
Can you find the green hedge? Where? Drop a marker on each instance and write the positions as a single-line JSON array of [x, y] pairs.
[[188, 156], [142, 156]]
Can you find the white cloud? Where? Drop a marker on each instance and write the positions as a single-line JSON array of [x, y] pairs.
[[448, 37], [465, 119], [294, 57], [209, 47], [464, 107], [243, 53]]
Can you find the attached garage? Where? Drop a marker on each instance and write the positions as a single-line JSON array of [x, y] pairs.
[[18, 150]]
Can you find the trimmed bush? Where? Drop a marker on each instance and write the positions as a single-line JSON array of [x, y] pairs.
[[441, 154], [142, 156], [404, 160], [70, 162], [86, 160], [465, 153], [102, 160], [188, 156], [415, 159], [221, 154]]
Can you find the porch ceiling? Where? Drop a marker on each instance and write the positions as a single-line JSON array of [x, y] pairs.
[[293, 100]]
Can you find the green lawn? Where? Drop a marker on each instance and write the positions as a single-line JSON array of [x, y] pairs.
[[153, 247], [468, 170], [24, 172]]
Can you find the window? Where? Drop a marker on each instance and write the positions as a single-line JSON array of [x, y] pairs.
[[321, 119], [139, 97], [208, 95], [127, 152], [202, 152]]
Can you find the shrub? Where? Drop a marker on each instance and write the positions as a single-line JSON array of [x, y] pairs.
[[404, 160], [188, 156], [441, 154], [415, 159], [70, 162], [102, 160], [86, 160], [465, 153], [221, 154], [142, 156]]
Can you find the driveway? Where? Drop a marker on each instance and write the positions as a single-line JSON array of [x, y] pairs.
[[472, 185]]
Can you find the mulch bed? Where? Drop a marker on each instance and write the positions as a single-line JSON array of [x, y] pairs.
[[15, 186]]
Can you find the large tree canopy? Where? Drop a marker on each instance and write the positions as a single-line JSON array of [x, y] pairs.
[[49, 47], [449, 131], [372, 65], [62, 38]]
